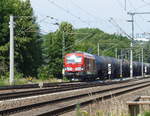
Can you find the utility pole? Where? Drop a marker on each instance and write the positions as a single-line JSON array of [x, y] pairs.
[[121, 56], [11, 52], [125, 4], [142, 63], [63, 50], [116, 53], [131, 52], [63, 44], [139, 58], [98, 48], [131, 45]]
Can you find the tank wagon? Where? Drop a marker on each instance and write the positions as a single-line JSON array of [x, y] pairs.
[[85, 66]]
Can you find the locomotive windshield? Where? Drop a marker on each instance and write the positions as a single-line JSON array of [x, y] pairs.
[[73, 59]]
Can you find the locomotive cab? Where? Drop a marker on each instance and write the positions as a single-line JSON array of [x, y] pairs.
[[73, 65], [73, 62], [79, 66]]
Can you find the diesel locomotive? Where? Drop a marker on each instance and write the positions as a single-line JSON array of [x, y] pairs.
[[85, 66]]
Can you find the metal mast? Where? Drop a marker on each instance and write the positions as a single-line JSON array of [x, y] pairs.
[[11, 66]]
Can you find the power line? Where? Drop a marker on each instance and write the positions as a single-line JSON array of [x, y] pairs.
[[89, 13], [139, 26], [86, 12], [138, 15], [91, 34], [68, 12], [121, 6], [30, 27], [142, 6], [147, 3], [133, 8], [113, 22]]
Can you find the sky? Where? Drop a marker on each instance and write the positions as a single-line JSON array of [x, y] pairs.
[[111, 16]]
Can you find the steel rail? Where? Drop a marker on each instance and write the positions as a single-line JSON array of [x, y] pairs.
[[69, 102], [57, 87], [28, 86]]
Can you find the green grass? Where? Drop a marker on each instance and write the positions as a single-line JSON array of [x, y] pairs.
[[101, 113], [2, 82], [29, 80], [80, 112], [145, 114]]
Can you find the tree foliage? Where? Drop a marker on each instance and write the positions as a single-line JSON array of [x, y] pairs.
[[76, 40], [47, 60], [107, 42], [52, 50], [146, 51], [27, 43]]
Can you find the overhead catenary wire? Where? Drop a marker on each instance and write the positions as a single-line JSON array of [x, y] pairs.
[[71, 13], [144, 5], [140, 28], [121, 5], [30, 27], [147, 3], [90, 14], [58, 6], [138, 16], [68, 12], [91, 34], [135, 9], [86, 12], [113, 22]]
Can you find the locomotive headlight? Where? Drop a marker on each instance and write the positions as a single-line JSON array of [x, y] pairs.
[[69, 68], [79, 68]]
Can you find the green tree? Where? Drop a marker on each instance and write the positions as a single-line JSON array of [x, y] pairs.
[[52, 50], [27, 37], [146, 51], [89, 38]]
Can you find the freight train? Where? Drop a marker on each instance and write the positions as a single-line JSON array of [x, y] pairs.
[[85, 66]]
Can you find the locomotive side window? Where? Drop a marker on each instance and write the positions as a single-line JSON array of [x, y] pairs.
[[73, 59]]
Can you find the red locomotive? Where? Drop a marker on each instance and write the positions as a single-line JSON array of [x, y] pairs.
[[79, 64]]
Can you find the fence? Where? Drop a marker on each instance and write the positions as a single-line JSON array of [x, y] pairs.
[[139, 105]]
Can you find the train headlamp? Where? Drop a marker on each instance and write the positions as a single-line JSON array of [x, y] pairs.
[[69, 68], [78, 68]]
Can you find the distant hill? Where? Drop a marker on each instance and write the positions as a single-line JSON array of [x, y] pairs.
[[87, 39]]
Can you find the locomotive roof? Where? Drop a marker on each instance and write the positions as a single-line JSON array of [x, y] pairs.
[[84, 54], [93, 56]]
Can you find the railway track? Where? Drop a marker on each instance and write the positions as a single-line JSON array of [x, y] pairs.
[[57, 103], [15, 90], [56, 87], [29, 86]]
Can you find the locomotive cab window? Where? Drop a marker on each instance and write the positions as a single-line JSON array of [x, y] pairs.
[[73, 59]]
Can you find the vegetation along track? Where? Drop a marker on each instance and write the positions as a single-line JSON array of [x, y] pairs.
[[56, 87], [29, 86], [68, 100]]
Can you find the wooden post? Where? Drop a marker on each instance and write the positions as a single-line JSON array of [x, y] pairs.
[[134, 110]]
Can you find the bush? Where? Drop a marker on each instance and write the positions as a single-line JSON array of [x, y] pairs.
[[145, 114], [43, 72], [65, 79], [18, 75]]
